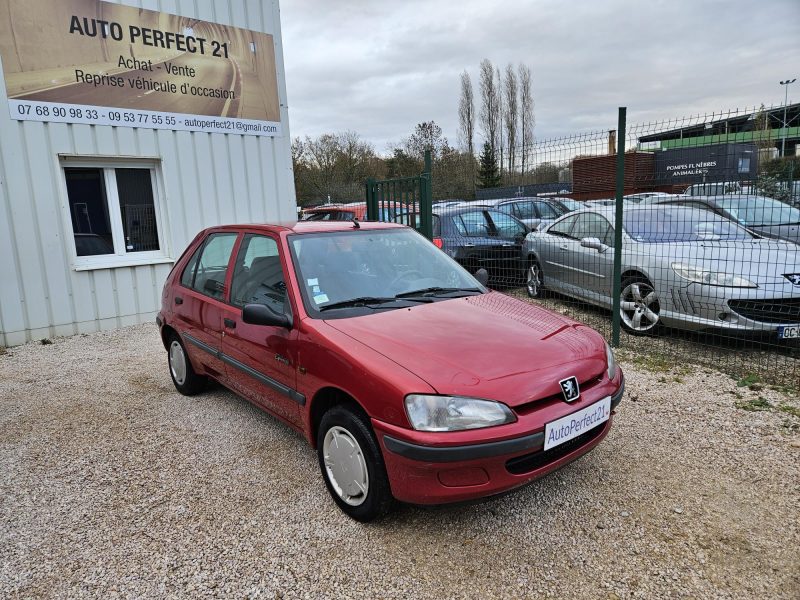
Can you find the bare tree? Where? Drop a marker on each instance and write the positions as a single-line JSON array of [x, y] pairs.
[[466, 114], [489, 104], [500, 111], [511, 114], [526, 119]]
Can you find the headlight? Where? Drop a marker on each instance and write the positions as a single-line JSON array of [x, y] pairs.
[[699, 275], [453, 413], [611, 362]]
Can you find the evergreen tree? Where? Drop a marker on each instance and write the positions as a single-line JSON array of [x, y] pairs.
[[488, 175]]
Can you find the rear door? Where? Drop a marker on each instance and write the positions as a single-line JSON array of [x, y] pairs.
[[261, 360], [200, 300]]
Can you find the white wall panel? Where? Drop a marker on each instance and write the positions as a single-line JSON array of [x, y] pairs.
[[204, 179]]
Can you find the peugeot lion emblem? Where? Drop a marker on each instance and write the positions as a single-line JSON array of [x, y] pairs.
[[570, 389], [793, 277]]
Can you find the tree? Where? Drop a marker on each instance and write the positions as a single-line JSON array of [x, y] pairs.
[[500, 110], [511, 113], [490, 109], [427, 136], [466, 115], [526, 119], [488, 176]]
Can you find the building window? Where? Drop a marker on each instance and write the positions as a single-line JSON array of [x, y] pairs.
[[744, 165], [114, 214]]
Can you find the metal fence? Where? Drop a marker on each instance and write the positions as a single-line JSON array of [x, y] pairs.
[[676, 239]]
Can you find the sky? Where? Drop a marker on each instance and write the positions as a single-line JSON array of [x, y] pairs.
[[379, 68]]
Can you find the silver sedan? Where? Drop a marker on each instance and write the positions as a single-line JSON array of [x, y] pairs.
[[681, 267]]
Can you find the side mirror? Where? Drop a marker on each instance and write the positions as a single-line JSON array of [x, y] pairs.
[[259, 314], [594, 243], [482, 275]]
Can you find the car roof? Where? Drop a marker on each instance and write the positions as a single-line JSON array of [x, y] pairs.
[[302, 227]]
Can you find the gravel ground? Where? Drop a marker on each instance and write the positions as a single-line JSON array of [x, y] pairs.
[[114, 485]]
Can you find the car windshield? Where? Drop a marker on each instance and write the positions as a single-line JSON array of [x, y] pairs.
[[369, 269], [662, 225], [760, 211]]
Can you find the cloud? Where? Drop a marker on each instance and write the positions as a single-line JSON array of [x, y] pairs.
[[379, 68]]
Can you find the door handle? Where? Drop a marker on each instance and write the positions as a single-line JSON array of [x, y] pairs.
[[229, 323], [178, 300], [564, 247], [469, 245]]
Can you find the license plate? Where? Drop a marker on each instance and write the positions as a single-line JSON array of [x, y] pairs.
[[569, 427], [788, 332]]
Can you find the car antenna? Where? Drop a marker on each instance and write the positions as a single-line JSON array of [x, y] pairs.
[[356, 224]]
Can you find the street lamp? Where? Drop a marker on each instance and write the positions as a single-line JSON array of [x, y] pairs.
[[787, 83]]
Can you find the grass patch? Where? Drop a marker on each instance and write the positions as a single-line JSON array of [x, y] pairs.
[[45, 342], [3, 350], [653, 362], [748, 380], [790, 410], [754, 404]]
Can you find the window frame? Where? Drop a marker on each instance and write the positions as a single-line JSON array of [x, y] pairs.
[[120, 258]]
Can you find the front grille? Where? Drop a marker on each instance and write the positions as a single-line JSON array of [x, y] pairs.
[[530, 462], [783, 310], [585, 386]]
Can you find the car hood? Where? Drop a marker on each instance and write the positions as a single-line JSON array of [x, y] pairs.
[[487, 346], [760, 260]]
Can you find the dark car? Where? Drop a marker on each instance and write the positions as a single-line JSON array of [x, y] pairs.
[[765, 216], [478, 237], [389, 358], [533, 212]]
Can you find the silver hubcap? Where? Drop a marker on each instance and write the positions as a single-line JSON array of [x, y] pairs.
[[639, 306], [345, 465], [534, 280], [177, 362]]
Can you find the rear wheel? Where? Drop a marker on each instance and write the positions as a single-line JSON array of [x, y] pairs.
[[639, 307], [352, 465], [534, 281], [186, 381]]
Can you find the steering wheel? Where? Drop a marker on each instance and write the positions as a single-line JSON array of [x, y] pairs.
[[405, 275]]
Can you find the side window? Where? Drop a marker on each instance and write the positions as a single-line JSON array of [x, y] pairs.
[[187, 277], [474, 224], [213, 265], [546, 211], [506, 225], [258, 275], [563, 227], [524, 210], [592, 225], [437, 226]]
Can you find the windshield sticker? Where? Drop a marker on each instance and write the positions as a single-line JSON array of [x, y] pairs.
[[315, 289], [312, 282], [320, 298]]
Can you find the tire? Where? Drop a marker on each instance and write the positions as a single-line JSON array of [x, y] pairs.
[[186, 381], [352, 464], [640, 309], [534, 280]]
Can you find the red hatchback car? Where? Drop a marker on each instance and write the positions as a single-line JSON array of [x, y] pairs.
[[412, 380]]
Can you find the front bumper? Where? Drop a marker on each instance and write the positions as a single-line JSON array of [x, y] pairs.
[[424, 474]]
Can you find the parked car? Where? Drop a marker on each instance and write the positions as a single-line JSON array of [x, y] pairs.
[[682, 267], [568, 204], [389, 358], [478, 237], [346, 212], [647, 197], [762, 215], [534, 212]]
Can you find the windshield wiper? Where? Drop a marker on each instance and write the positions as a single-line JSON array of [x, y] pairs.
[[366, 301], [435, 291]]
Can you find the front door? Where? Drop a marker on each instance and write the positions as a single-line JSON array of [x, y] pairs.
[[261, 360]]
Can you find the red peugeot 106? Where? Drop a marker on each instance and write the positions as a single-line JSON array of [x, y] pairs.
[[413, 381]]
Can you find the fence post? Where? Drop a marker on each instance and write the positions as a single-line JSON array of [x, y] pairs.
[[426, 199], [372, 200], [620, 188]]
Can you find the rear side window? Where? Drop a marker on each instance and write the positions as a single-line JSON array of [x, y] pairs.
[[212, 266], [472, 224], [546, 210], [437, 226], [524, 210]]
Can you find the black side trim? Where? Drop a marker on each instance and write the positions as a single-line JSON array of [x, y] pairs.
[[159, 322], [274, 384], [617, 398], [456, 453]]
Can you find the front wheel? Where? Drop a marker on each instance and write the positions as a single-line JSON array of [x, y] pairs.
[[352, 465], [640, 310]]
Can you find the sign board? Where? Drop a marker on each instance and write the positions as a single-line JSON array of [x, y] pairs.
[[699, 164], [88, 61]]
